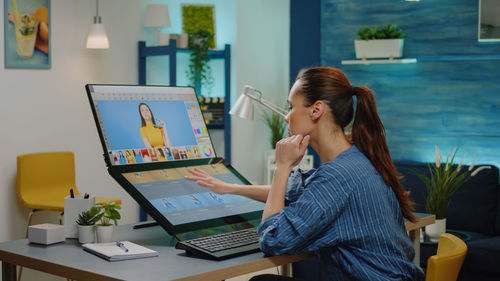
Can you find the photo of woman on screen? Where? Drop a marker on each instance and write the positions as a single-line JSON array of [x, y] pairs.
[[153, 135]]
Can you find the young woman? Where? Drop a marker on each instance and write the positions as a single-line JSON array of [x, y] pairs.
[[153, 135], [350, 210]]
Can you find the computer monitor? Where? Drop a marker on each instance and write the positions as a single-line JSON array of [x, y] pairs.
[[141, 124], [151, 135]]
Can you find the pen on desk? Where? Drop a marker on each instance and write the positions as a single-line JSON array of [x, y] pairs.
[[71, 193], [121, 245]]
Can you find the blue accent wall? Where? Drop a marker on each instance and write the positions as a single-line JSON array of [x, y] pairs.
[[305, 28], [305, 43], [449, 98]]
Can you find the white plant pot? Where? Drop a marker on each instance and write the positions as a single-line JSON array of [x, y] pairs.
[[86, 233], [104, 233], [435, 230], [380, 48]]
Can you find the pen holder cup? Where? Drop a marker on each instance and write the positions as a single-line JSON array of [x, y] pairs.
[[72, 208]]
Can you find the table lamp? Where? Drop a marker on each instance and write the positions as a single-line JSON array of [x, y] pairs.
[[156, 17], [243, 107], [97, 38]]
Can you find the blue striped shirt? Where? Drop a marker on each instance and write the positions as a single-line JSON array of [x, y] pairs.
[[347, 215]]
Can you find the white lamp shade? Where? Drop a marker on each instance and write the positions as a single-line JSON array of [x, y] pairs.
[[97, 38], [156, 16], [243, 107]]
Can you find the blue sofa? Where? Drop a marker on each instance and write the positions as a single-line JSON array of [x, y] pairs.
[[474, 211]]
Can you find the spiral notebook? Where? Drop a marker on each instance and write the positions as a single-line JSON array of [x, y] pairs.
[[112, 252]]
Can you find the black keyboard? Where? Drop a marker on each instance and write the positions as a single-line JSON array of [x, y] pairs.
[[223, 245]]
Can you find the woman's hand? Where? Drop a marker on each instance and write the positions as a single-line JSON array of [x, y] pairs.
[[206, 180], [289, 151], [161, 123]]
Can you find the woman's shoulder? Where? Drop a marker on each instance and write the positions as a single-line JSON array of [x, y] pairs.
[[348, 165]]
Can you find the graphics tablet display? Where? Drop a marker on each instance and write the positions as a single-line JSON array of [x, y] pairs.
[[182, 201], [150, 136]]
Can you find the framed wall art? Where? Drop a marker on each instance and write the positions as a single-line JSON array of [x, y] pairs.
[[27, 33], [199, 17]]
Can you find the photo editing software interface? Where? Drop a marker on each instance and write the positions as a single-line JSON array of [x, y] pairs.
[[151, 123], [183, 201]]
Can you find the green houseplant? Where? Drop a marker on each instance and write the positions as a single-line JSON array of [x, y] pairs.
[[443, 181], [276, 125], [383, 42], [107, 213], [89, 217], [86, 221], [199, 72], [390, 31]]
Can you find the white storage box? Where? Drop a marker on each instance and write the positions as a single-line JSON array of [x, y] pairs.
[[46, 233]]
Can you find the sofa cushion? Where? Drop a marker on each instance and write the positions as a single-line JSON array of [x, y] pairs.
[[467, 236], [483, 256], [473, 207]]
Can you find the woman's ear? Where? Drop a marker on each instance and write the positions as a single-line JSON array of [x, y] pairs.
[[317, 109]]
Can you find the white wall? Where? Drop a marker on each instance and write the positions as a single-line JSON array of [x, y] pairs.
[[262, 53], [47, 110]]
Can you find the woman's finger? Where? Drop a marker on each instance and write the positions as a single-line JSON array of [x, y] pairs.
[[193, 178], [197, 172], [201, 171]]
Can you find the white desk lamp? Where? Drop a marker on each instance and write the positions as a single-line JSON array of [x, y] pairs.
[[156, 17], [97, 38], [243, 107]]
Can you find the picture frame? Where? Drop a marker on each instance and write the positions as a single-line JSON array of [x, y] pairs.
[[196, 17], [489, 21], [27, 40]]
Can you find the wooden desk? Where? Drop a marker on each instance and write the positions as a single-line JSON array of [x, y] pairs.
[[414, 231], [67, 259]]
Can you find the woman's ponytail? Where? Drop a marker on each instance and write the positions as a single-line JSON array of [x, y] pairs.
[[368, 134]]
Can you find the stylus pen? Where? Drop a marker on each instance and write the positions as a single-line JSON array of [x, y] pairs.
[[121, 245]]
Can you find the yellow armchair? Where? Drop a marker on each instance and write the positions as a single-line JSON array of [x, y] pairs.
[[446, 264]]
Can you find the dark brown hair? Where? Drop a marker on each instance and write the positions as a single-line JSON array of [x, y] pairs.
[[143, 122], [332, 86]]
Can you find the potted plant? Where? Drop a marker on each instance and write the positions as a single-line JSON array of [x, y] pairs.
[[276, 125], [441, 183], [86, 221], [199, 72], [278, 128], [375, 42], [108, 212]]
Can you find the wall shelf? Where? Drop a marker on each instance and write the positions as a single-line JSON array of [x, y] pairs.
[[465, 57], [379, 61]]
